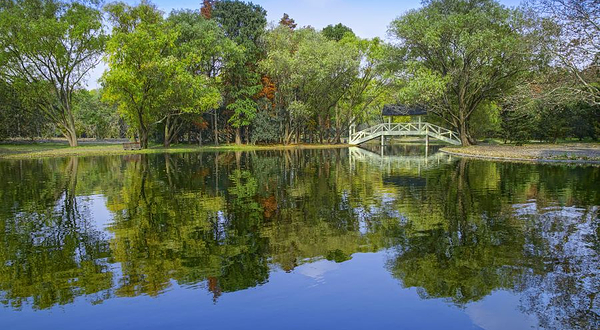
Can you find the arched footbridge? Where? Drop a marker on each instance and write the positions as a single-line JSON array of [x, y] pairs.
[[403, 129]]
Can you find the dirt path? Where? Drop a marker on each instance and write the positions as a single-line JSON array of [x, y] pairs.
[[572, 152]]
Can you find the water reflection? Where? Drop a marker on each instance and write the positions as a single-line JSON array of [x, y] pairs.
[[454, 229]]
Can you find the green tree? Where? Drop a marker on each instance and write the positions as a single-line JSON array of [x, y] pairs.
[[155, 70], [461, 54], [205, 53], [244, 23], [311, 75], [138, 64], [48, 47], [93, 117], [371, 87], [336, 32]]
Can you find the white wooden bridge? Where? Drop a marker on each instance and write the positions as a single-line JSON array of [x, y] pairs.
[[403, 129]]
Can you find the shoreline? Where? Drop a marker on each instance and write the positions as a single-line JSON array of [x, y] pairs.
[[575, 154], [42, 150]]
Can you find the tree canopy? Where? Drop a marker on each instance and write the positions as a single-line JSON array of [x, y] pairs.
[[48, 48], [461, 54]]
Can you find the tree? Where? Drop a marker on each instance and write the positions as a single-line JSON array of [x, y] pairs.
[[48, 48], [460, 54], [370, 88], [194, 88], [576, 45], [93, 117], [286, 20], [336, 32], [137, 60], [244, 24], [17, 117], [206, 9], [216, 53], [311, 75]]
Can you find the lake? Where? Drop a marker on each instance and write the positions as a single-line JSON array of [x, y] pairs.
[[298, 239]]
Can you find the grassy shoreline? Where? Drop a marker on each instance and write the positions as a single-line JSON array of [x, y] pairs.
[[575, 153], [581, 153], [51, 150]]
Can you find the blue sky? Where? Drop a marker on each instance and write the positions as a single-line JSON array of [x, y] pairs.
[[367, 18]]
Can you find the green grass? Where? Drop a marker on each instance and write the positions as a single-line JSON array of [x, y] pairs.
[[47, 150]]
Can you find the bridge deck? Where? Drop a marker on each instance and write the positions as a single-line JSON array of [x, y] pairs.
[[404, 129]]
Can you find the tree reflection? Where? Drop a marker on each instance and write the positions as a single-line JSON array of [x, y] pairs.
[[49, 251], [458, 231]]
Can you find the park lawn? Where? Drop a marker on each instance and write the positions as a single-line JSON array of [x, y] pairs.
[[47, 150]]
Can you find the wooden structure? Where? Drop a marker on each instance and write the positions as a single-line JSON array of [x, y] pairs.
[[418, 128], [131, 146]]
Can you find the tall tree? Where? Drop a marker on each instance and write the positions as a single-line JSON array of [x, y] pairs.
[[138, 63], [244, 23], [47, 49], [461, 54], [370, 88], [194, 88]]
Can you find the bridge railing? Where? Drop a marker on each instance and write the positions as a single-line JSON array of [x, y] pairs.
[[421, 128]]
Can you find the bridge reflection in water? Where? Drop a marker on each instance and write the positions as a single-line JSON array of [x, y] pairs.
[[400, 156]]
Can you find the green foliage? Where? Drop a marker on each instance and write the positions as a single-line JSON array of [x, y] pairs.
[[17, 119], [265, 128], [460, 54], [486, 121], [311, 75], [138, 64], [158, 68], [48, 47], [243, 23], [337, 32], [93, 117]]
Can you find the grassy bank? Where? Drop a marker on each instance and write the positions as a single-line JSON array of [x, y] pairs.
[[566, 152], [46, 150]]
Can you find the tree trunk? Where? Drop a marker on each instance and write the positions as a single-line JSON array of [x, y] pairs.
[[167, 137], [143, 133], [216, 129], [463, 133], [238, 136], [70, 134], [71, 138]]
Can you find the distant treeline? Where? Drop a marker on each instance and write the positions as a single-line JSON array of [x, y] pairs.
[[220, 73]]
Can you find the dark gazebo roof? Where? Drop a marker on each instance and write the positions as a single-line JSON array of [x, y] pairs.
[[403, 110]]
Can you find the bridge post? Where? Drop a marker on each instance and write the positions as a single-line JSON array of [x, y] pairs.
[[426, 138]]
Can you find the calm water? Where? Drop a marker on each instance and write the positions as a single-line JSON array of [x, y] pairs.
[[314, 239]]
